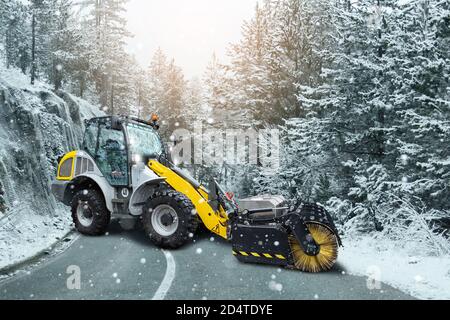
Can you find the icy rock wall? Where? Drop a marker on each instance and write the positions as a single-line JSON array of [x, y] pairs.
[[36, 127]]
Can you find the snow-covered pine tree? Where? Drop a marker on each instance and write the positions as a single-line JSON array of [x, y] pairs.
[[167, 88], [174, 96], [106, 32], [63, 41], [13, 30], [216, 88], [249, 66], [157, 71], [42, 23], [141, 94], [419, 50], [195, 106]]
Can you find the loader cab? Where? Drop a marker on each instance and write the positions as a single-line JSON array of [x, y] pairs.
[[116, 143]]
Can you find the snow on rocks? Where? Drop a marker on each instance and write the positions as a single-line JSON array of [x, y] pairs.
[[23, 235], [35, 119]]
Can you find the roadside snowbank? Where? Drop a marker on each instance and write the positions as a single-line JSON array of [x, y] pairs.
[[424, 277], [24, 235]]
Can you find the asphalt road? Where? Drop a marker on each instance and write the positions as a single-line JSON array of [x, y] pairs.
[[125, 265]]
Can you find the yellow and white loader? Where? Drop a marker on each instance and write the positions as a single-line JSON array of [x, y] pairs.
[[124, 172]]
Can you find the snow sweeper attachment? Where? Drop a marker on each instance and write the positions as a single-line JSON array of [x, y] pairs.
[[301, 237]]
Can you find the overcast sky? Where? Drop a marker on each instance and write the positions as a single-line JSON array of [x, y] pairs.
[[187, 30]]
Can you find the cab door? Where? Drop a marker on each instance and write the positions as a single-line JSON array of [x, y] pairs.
[[107, 145]]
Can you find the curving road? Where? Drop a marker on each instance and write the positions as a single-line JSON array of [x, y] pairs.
[[124, 265]]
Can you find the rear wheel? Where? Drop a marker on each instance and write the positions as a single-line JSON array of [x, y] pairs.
[[169, 219], [89, 213]]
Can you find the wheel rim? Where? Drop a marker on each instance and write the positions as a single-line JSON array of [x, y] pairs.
[[84, 214], [165, 220]]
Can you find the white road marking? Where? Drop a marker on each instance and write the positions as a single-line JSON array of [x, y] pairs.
[[168, 277]]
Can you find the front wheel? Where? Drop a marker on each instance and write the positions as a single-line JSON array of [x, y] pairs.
[[169, 219]]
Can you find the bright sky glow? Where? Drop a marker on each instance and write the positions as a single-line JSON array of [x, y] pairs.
[[187, 30]]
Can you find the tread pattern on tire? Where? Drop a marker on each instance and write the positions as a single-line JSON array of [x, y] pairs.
[[188, 223], [102, 216]]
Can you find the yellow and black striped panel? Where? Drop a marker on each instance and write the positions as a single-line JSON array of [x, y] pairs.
[[259, 255]]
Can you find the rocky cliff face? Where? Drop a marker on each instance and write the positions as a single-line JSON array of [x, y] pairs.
[[36, 127]]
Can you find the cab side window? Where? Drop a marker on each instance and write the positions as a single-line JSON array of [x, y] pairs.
[[111, 155], [90, 138]]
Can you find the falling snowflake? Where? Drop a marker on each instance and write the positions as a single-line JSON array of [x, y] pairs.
[[199, 251], [316, 296], [276, 243], [143, 261], [274, 286], [115, 275], [118, 281], [404, 159]]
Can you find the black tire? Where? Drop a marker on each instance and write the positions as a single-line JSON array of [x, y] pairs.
[[93, 202], [187, 219]]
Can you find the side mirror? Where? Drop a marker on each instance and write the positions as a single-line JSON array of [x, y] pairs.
[[213, 198]]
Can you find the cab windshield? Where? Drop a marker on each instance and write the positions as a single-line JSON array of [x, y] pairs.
[[144, 140]]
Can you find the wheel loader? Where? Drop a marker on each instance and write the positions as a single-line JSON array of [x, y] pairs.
[[124, 171]]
